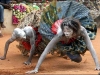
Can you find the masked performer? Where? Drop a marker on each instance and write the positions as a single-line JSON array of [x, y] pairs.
[[61, 27], [26, 34]]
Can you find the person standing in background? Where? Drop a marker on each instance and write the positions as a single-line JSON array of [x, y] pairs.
[[4, 4]]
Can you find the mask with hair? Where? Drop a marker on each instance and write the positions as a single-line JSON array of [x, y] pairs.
[[68, 32], [19, 33], [70, 27]]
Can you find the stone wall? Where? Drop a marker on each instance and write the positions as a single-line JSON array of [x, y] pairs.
[[8, 22]]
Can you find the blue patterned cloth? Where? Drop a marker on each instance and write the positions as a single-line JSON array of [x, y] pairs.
[[69, 9]]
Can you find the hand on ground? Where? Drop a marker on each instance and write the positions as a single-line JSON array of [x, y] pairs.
[[32, 71], [3, 58], [27, 63]]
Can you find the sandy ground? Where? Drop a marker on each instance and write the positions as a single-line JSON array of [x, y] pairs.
[[53, 64]]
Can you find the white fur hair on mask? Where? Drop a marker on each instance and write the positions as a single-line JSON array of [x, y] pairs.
[[20, 33], [59, 31]]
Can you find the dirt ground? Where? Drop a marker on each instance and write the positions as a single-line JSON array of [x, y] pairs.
[[53, 64]]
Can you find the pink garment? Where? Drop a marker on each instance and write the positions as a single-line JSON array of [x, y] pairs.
[[56, 25], [14, 20]]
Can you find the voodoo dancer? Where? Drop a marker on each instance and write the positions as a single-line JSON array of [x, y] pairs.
[[69, 27], [27, 36]]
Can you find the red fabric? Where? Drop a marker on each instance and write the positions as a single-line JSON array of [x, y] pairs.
[[56, 25], [70, 41], [39, 37], [27, 45]]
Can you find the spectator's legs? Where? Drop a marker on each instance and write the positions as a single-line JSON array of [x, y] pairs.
[[8, 1], [1, 14], [2, 17], [0, 33]]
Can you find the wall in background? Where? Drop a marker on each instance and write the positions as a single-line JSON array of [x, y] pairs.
[[8, 22]]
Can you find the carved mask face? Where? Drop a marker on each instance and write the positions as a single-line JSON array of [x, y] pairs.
[[20, 34], [68, 32]]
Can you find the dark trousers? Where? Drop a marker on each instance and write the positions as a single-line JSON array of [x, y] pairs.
[[75, 57], [1, 13]]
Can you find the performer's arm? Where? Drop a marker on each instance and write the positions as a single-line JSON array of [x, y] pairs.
[[90, 47]]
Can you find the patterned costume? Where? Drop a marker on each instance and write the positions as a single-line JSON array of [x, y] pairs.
[[59, 10]]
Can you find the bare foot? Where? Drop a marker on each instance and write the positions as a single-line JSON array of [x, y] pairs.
[[3, 26], [1, 35]]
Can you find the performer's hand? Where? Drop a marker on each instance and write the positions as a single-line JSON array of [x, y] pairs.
[[32, 71], [97, 68], [3, 58], [27, 63]]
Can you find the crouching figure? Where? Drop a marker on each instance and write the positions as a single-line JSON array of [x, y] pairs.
[[69, 27], [27, 34]]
